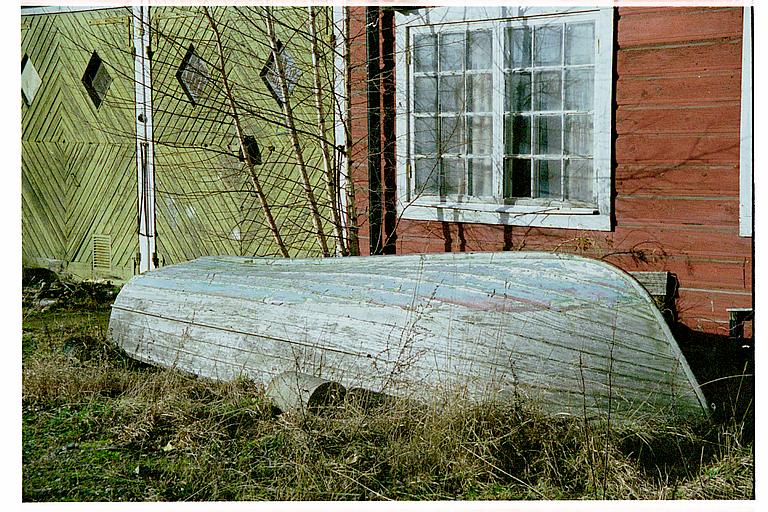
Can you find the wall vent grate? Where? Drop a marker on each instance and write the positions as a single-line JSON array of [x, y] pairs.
[[102, 252]]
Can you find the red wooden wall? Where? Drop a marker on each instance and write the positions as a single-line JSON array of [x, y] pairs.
[[676, 175]]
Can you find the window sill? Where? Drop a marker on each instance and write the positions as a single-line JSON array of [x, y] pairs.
[[509, 215]]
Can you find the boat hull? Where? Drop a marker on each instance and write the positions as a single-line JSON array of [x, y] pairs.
[[570, 334]]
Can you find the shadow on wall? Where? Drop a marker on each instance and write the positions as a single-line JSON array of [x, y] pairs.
[[724, 367]]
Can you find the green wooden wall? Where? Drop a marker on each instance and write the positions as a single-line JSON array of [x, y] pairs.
[[79, 162], [206, 204]]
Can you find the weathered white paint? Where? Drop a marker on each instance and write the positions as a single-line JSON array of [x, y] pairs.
[[460, 14], [145, 152], [745, 150], [340, 113], [568, 332], [513, 215], [553, 215]]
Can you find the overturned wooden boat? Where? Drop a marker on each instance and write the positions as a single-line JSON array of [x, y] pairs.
[[571, 334]]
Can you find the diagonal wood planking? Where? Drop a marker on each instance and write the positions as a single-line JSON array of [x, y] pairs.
[[79, 162], [78, 169], [195, 214]]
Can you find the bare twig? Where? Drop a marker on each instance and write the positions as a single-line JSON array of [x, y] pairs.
[[241, 138], [331, 186], [353, 244], [290, 121]]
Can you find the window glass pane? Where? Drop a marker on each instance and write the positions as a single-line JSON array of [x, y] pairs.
[[425, 52], [425, 94], [425, 138], [480, 92], [452, 52], [548, 90], [547, 45], [517, 177], [30, 80], [482, 176], [549, 135], [517, 97], [580, 43], [548, 178], [452, 93], [427, 176], [452, 134], [480, 53], [517, 47], [578, 134], [194, 76], [517, 134], [579, 180], [578, 89], [480, 134], [454, 177]]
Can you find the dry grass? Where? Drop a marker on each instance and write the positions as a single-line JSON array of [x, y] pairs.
[[98, 426]]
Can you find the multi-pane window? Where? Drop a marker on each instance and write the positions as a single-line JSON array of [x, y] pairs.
[[548, 108], [453, 113], [503, 114]]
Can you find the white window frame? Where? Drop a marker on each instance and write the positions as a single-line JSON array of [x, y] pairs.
[[745, 146], [551, 214]]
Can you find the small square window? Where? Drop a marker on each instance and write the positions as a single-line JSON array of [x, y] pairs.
[[96, 79], [193, 75], [254, 153], [30, 80], [271, 76]]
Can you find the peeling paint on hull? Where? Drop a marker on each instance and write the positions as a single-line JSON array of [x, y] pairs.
[[570, 333]]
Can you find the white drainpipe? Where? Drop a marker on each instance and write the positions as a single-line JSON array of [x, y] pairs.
[[145, 154]]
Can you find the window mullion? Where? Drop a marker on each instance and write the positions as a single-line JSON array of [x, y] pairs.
[[464, 118], [439, 115], [562, 112], [534, 117], [411, 169], [497, 155]]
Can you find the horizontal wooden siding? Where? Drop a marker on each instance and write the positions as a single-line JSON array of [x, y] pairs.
[[676, 174]]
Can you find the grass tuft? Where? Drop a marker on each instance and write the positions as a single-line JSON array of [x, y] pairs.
[[100, 427]]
